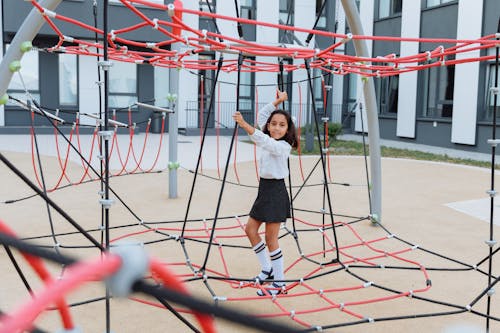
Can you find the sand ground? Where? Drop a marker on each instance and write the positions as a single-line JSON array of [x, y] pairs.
[[416, 209]]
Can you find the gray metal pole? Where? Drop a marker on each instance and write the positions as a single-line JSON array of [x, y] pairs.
[[28, 30], [173, 125], [354, 21]]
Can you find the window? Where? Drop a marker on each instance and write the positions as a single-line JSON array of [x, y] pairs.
[[322, 16], [387, 8], [122, 84], [247, 9], [68, 79], [207, 6], [162, 85], [318, 90], [387, 94], [247, 84], [433, 3], [286, 17], [437, 91], [26, 79], [490, 97], [287, 78]]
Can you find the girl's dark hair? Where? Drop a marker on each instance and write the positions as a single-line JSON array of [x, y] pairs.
[[291, 133]]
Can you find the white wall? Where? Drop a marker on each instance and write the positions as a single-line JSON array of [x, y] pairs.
[[267, 11], [88, 97], [367, 8], [407, 95], [465, 93], [188, 83]]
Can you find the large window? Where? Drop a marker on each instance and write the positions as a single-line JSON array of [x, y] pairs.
[[432, 3], [436, 91], [388, 8], [318, 90], [490, 97], [27, 79], [387, 94], [162, 86], [68, 80], [122, 84], [286, 18]]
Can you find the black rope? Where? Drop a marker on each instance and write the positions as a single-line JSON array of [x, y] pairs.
[[48, 200], [492, 188], [214, 20], [325, 179], [318, 16], [240, 29], [236, 127], [216, 310], [18, 269], [198, 162]]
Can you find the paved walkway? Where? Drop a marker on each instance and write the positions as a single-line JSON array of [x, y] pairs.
[[456, 153]]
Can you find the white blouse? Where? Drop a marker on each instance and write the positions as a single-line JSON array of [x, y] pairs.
[[273, 160]]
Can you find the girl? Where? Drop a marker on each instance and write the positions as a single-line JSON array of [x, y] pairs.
[[272, 205]]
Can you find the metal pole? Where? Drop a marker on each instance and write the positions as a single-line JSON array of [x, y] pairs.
[[354, 21], [173, 124]]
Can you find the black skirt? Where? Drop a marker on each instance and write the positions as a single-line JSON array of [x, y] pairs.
[[272, 203]]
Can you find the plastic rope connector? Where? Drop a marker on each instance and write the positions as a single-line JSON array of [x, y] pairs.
[[105, 65], [490, 292], [491, 242], [106, 203], [49, 13], [491, 193], [170, 9], [493, 142], [15, 66], [26, 46], [4, 99], [468, 307], [106, 135], [135, 263], [367, 284]]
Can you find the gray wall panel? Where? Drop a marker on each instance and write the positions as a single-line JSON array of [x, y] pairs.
[[440, 22], [387, 27]]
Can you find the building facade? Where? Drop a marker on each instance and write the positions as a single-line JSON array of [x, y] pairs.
[[449, 106]]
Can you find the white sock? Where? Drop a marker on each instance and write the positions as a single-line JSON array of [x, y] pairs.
[[277, 263], [263, 255]]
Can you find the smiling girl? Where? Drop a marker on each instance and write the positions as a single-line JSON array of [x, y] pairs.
[[277, 137]]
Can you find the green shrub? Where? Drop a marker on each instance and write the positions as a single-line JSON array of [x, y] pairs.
[[334, 129]]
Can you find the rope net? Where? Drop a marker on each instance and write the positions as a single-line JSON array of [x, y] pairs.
[[329, 283]]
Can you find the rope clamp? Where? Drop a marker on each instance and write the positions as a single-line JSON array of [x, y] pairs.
[[318, 328], [112, 35], [367, 284], [491, 193], [347, 38], [341, 306], [468, 307], [220, 298], [171, 9], [324, 150], [493, 142], [106, 135], [491, 242], [490, 292], [134, 264], [204, 33], [494, 90], [105, 65], [106, 203], [68, 39], [49, 13], [155, 21], [325, 119], [414, 247]]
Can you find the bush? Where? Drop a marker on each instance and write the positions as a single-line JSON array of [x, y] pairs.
[[334, 129]]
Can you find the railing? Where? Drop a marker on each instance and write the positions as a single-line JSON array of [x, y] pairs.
[[222, 112]]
